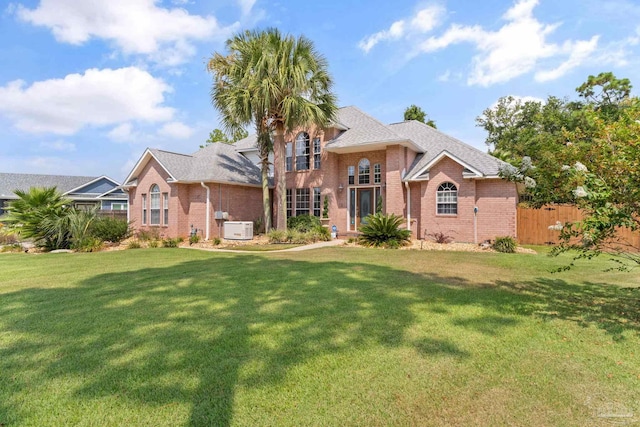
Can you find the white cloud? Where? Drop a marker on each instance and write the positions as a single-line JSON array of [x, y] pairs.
[[176, 130], [58, 145], [121, 133], [579, 52], [246, 6], [423, 21], [134, 26], [96, 98]]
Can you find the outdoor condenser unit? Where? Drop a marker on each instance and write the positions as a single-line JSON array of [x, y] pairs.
[[238, 230]]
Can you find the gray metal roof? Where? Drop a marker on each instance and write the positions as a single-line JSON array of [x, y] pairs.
[[434, 142], [217, 162], [9, 182]]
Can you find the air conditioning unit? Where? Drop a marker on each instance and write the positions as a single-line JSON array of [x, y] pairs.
[[238, 230]]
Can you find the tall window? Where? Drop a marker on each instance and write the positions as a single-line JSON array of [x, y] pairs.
[[289, 157], [289, 202], [364, 170], [165, 207], [377, 173], [447, 199], [302, 201], [351, 170], [316, 153], [155, 205], [302, 151], [144, 208], [317, 200]]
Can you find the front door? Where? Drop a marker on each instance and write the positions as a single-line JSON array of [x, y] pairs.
[[365, 205]]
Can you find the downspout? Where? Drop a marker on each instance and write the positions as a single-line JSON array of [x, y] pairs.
[[128, 204], [208, 214], [406, 184]]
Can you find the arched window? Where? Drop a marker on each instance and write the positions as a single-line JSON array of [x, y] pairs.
[[447, 199], [364, 172], [302, 151], [154, 192]]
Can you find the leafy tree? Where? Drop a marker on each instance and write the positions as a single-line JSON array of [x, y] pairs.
[[32, 213], [217, 135], [413, 112], [605, 93], [279, 83]]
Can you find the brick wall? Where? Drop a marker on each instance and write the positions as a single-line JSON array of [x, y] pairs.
[[187, 204], [497, 202]]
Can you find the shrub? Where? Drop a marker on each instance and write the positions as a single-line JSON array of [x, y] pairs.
[[8, 238], [319, 233], [88, 244], [153, 243], [325, 207], [277, 236], [295, 236], [194, 238], [384, 230], [258, 226], [110, 229], [13, 247], [505, 244], [216, 241], [170, 243], [440, 237], [303, 223], [133, 244]]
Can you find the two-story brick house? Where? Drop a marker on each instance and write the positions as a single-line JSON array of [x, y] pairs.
[[436, 182]]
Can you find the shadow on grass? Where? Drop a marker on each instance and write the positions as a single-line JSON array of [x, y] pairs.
[[193, 332]]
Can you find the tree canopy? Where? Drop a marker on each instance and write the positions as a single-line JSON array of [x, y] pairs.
[[582, 152], [413, 112], [218, 135]]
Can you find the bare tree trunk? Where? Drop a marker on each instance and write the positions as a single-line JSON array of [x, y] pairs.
[[280, 175]]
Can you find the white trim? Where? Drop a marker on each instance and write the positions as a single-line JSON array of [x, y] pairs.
[[371, 146], [140, 164], [207, 214], [73, 190], [439, 157]]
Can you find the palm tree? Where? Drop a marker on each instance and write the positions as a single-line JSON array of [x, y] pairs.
[[280, 83], [31, 212]]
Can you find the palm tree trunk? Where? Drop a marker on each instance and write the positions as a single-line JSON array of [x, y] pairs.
[[266, 201], [280, 173]]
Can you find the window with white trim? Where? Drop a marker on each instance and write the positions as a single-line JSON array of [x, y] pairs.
[[119, 206], [316, 153], [165, 207], [289, 157], [377, 173], [154, 192], [351, 171], [144, 209], [317, 201], [447, 199], [302, 201], [364, 171], [302, 151]]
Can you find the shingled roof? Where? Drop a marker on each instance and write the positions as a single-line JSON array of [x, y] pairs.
[[10, 182], [217, 162]]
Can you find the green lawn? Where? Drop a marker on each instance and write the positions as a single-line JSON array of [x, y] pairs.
[[331, 337]]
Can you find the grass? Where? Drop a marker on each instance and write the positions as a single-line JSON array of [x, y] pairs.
[[262, 248], [338, 336]]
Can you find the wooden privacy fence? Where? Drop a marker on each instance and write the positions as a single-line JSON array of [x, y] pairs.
[[113, 214], [533, 225]]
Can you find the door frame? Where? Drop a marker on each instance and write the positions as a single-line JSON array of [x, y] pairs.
[[353, 222]]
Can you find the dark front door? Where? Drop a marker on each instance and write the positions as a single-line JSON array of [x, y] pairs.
[[365, 205]]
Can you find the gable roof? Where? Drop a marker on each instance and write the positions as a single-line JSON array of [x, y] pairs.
[[435, 144], [66, 184], [217, 162]]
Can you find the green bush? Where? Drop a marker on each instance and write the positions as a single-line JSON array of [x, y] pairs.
[[148, 235], [505, 244], [216, 241], [277, 236], [110, 229], [170, 243], [194, 238], [319, 233], [7, 237], [303, 223], [88, 244], [153, 243], [384, 230], [13, 247]]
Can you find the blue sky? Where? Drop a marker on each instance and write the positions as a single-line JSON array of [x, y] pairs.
[[86, 86]]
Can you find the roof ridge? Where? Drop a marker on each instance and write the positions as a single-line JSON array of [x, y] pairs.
[[171, 152]]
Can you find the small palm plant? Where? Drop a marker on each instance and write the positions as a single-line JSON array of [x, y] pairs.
[[384, 230]]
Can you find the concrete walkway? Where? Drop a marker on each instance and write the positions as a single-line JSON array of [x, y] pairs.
[[334, 242]]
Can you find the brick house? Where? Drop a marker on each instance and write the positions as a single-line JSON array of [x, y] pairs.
[[436, 182]]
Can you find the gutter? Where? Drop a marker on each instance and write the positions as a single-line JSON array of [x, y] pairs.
[[208, 213], [406, 184]]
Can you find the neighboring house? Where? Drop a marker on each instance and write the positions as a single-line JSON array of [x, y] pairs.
[[84, 191], [436, 182]]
